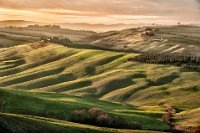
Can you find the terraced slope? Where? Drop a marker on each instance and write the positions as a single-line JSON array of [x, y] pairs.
[[39, 81]]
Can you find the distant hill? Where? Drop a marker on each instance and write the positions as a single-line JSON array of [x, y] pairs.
[[170, 39], [96, 27], [12, 36], [18, 23]]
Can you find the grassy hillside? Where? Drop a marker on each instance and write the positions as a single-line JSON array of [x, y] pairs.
[[99, 74], [52, 81], [60, 106], [170, 39], [189, 118]]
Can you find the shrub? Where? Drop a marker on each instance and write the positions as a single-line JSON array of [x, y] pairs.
[[103, 120], [79, 116], [149, 33], [97, 117], [119, 122], [156, 29], [148, 29], [95, 112], [135, 125]]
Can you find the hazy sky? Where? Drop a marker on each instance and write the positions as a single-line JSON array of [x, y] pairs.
[[102, 11]]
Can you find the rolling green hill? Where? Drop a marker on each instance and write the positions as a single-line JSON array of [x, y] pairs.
[[44, 85]]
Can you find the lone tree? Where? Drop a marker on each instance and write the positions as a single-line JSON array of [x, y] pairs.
[[179, 24]]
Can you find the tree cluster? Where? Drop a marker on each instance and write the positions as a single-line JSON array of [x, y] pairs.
[[98, 117], [44, 26], [186, 61]]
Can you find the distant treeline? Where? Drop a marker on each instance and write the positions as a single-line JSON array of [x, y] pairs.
[[186, 61], [44, 26]]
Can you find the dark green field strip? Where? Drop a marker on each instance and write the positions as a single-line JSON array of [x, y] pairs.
[[48, 65], [44, 81], [32, 76], [29, 66], [36, 63], [66, 85]]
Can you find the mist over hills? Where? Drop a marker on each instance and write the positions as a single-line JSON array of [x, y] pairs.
[[74, 26], [17, 23], [97, 27]]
